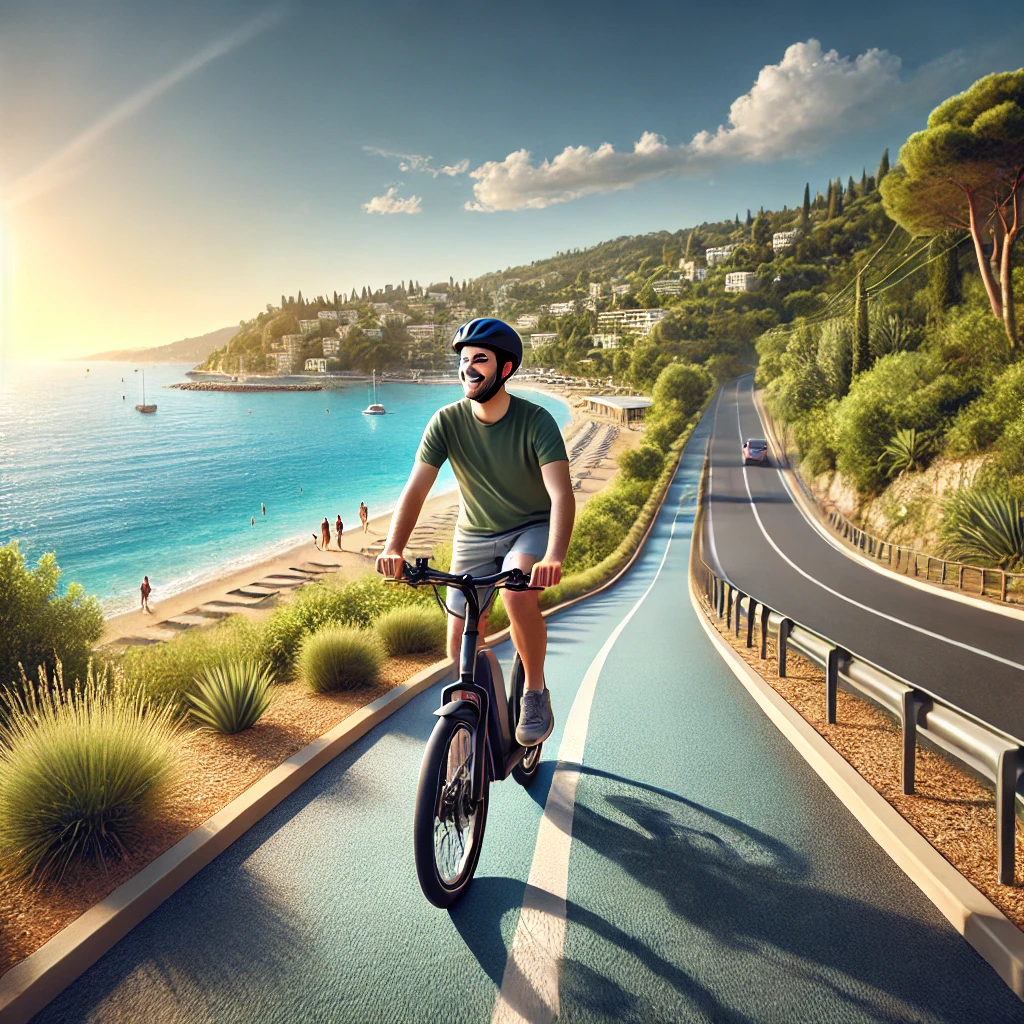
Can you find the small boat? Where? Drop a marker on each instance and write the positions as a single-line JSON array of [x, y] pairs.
[[375, 408], [143, 407]]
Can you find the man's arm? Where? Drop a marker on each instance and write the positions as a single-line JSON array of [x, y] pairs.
[[403, 520], [548, 571]]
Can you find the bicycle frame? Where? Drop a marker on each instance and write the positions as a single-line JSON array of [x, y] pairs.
[[475, 692]]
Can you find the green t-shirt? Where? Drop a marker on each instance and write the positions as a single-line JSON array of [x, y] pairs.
[[497, 465]]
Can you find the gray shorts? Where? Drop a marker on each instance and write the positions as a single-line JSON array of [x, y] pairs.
[[485, 555]]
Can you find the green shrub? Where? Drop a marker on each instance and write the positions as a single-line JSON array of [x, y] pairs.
[[413, 630], [339, 658], [681, 388], [80, 771], [38, 624], [815, 436], [663, 430], [166, 672], [980, 424], [984, 526], [231, 696], [643, 463], [905, 452], [596, 535]]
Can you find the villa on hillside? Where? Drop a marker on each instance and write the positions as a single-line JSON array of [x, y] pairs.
[[668, 286], [719, 254], [542, 339], [329, 314], [619, 290], [557, 309], [741, 281], [527, 320], [784, 239], [319, 365], [691, 272], [639, 321], [606, 340], [309, 326], [331, 346]]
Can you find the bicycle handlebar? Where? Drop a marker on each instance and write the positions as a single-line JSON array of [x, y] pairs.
[[421, 574]]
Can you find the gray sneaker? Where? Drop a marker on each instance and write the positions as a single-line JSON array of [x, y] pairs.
[[536, 720]]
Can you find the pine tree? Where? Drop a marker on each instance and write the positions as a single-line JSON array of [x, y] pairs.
[[832, 208], [864, 181], [805, 210], [737, 220], [861, 333], [871, 183], [839, 197], [750, 220], [851, 190], [883, 166]]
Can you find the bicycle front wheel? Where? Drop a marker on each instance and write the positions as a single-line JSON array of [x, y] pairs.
[[448, 829]]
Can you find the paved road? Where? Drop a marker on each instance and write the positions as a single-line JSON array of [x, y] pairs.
[[712, 876], [969, 656]]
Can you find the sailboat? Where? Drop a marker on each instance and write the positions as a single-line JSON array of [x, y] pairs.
[[144, 407], [375, 408]]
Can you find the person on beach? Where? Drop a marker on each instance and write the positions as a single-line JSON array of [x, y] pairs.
[[325, 534], [316, 543], [338, 527], [516, 509], [364, 516], [146, 590]]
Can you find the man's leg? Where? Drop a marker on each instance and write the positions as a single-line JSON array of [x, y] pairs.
[[529, 630]]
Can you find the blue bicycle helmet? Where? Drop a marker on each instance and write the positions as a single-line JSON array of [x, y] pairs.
[[489, 332]]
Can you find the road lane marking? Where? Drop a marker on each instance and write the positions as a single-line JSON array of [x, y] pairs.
[[850, 600], [529, 986]]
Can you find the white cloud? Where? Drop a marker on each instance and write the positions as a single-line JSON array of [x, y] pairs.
[[391, 202], [793, 109], [408, 162]]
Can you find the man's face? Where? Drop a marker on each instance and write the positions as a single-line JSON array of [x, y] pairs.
[[478, 368]]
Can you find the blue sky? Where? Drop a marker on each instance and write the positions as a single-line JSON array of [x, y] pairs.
[[167, 170]]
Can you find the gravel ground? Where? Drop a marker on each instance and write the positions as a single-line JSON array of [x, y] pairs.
[[951, 809], [210, 772]]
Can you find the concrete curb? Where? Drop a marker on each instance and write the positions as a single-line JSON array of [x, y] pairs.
[[809, 509], [28, 986], [972, 914]]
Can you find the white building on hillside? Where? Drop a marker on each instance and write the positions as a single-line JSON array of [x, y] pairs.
[[331, 346], [437, 296], [719, 254], [542, 339], [784, 239], [691, 272], [309, 326], [621, 289], [329, 314], [381, 307], [424, 333], [348, 316], [557, 309], [317, 365], [527, 320], [668, 286], [393, 316], [606, 340], [595, 289], [637, 321], [374, 333], [741, 281]]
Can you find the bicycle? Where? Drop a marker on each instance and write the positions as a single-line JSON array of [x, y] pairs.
[[472, 744]]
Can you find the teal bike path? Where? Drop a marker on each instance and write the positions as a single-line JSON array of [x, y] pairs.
[[712, 877]]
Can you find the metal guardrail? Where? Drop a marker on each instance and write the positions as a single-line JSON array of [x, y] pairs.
[[987, 751], [1004, 586]]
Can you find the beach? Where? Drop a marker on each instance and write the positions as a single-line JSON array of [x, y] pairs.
[[253, 591]]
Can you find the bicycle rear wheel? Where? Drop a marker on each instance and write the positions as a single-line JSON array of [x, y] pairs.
[[525, 773], [448, 828]]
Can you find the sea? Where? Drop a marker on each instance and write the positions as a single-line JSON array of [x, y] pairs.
[[179, 495]]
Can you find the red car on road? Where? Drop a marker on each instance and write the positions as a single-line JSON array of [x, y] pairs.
[[755, 449]]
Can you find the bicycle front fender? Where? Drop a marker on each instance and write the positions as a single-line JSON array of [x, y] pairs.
[[467, 710]]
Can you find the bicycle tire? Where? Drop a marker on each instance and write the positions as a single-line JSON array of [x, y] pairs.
[[525, 773], [443, 816]]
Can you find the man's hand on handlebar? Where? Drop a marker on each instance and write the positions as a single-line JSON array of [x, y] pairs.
[[546, 573], [389, 564]]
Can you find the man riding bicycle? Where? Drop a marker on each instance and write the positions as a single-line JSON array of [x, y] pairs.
[[516, 509]]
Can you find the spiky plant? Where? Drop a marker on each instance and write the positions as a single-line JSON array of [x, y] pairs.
[[906, 451], [890, 333], [231, 696], [80, 771], [984, 526]]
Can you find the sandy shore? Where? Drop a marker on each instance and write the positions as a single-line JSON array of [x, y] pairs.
[[255, 590]]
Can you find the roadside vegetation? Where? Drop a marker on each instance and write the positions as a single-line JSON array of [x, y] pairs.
[[912, 362]]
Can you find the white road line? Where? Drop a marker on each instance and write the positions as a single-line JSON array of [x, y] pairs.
[[850, 600], [529, 987]]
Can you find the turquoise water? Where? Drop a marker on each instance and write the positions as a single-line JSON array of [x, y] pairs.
[[117, 494]]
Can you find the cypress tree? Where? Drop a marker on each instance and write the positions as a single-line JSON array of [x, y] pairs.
[[861, 333], [750, 220], [863, 181], [832, 211], [737, 220], [851, 190], [283, 302], [805, 210], [883, 166], [945, 285], [839, 197]]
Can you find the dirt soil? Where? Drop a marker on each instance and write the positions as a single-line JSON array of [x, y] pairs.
[[211, 770], [952, 810]]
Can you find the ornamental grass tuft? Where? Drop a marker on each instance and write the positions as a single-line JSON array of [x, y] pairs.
[[80, 772], [231, 696], [416, 629], [340, 658]]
